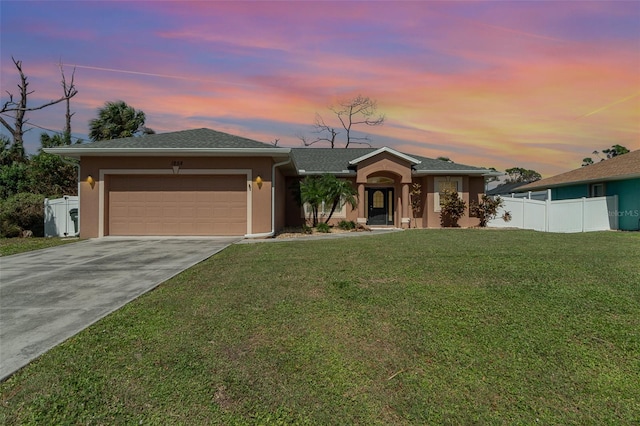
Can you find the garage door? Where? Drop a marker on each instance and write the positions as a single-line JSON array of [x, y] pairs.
[[177, 205]]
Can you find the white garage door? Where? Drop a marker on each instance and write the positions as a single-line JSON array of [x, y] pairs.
[[177, 205]]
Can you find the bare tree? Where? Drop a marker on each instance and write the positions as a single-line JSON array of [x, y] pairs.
[[360, 110], [68, 91], [19, 107], [325, 133]]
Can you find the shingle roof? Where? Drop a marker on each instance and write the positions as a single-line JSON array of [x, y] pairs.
[[196, 138], [620, 167], [211, 142], [506, 188], [336, 160]]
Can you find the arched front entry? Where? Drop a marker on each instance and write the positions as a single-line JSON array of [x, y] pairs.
[[383, 183], [380, 202]]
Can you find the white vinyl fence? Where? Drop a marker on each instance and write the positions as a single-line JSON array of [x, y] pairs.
[[58, 219], [575, 215]]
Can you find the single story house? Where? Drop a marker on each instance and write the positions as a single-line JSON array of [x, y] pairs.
[[617, 176], [205, 182]]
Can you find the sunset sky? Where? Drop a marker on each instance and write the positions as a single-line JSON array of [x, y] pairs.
[[536, 84]]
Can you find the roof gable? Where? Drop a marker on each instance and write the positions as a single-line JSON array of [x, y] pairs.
[[621, 167], [382, 150]]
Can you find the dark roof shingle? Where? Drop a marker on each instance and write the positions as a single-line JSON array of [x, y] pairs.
[[196, 138], [336, 160]]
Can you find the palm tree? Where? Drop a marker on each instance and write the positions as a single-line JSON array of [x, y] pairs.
[[339, 192], [312, 194], [117, 120], [327, 189]]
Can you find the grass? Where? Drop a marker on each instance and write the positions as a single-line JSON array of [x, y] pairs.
[[9, 246], [417, 327]]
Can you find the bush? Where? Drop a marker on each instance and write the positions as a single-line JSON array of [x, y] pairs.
[[323, 227], [486, 209], [452, 208], [22, 212], [347, 225], [306, 229]]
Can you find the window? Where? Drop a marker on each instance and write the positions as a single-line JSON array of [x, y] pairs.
[[324, 210], [380, 179], [597, 190], [442, 184]]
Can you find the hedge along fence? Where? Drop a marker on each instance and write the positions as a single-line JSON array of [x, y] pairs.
[[22, 212]]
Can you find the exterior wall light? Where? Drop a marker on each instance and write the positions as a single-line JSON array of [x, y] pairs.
[[259, 182], [91, 181]]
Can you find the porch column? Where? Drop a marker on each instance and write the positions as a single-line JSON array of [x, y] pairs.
[[406, 211], [362, 218]]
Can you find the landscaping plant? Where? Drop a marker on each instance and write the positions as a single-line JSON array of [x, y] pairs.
[[486, 209], [452, 208]]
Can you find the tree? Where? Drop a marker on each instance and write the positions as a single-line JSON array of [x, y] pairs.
[[587, 161], [53, 176], [19, 107], [360, 110], [518, 174], [117, 120], [610, 153], [316, 191]]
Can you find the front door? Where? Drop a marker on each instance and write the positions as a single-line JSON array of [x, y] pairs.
[[380, 201]]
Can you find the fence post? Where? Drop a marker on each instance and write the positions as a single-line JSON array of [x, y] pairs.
[[547, 214], [584, 206], [615, 202]]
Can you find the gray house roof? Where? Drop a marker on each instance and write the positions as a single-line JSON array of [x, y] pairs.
[[336, 161], [207, 142], [185, 142]]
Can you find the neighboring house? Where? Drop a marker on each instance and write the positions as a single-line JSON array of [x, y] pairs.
[[506, 188], [204, 182], [618, 176]]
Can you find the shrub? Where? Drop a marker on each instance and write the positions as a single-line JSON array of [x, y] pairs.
[[306, 229], [323, 227], [486, 209], [347, 225], [22, 212], [452, 208]]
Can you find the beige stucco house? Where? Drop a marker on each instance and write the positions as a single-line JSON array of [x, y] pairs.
[[203, 182]]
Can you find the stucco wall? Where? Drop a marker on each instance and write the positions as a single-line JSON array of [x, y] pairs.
[[472, 189], [89, 196]]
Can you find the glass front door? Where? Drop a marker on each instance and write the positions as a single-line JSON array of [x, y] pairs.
[[380, 202]]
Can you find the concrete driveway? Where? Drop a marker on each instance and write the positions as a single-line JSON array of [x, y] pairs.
[[47, 296]]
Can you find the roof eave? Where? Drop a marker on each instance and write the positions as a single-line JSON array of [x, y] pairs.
[[302, 172], [456, 172], [580, 182], [78, 152]]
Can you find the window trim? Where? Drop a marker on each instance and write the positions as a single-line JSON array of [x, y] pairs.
[[592, 188], [436, 192], [324, 210]]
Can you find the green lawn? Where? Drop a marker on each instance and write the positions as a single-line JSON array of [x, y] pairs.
[[417, 327], [10, 246]]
